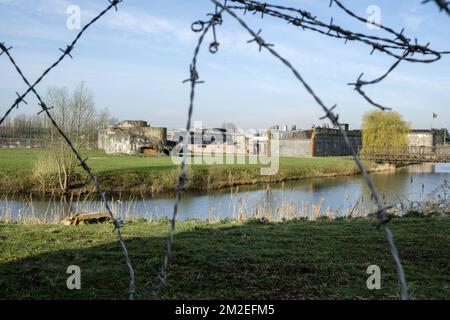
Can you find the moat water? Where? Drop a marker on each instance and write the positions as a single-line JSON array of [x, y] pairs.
[[338, 195]]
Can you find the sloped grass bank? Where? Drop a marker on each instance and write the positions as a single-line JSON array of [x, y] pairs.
[[256, 260], [130, 174]]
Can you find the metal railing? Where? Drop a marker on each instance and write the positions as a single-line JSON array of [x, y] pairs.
[[410, 154]]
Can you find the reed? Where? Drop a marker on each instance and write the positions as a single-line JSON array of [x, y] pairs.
[[241, 207]]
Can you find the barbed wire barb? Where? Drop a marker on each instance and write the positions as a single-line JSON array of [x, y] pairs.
[[444, 5], [3, 48]]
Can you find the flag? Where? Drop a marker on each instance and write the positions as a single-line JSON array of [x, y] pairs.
[[435, 116]]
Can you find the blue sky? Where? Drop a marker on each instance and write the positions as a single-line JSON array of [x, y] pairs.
[[135, 60]]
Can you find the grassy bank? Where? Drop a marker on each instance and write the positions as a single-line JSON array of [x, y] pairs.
[[130, 174], [296, 260]]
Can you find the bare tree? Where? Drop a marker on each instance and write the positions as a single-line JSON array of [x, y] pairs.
[[76, 115], [59, 99]]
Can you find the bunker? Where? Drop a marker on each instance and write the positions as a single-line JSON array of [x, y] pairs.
[[133, 138]]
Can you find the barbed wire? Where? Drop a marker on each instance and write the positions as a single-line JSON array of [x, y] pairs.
[[334, 118], [444, 5], [264, 8], [398, 46], [45, 109], [203, 27], [66, 52]]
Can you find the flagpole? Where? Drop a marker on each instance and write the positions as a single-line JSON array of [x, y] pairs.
[[445, 136], [434, 116]]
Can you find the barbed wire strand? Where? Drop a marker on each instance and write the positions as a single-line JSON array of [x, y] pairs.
[[444, 5], [66, 52], [83, 164], [400, 47], [194, 80], [409, 50], [360, 83], [309, 22], [381, 213], [334, 118]]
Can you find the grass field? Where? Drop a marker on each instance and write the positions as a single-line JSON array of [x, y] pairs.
[[295, 260], [121, 174]]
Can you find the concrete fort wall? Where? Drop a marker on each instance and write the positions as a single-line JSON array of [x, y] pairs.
[[132, 140], [421, 139], [296, 143], [330, 142], [295, 148], [297, 135], [320, 142]]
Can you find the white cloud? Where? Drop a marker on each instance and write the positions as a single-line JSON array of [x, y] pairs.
[[143, 23], [413, 22]]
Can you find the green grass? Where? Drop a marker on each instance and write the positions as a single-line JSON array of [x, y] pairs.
[[21, 160], [295, 260], [146, 175]]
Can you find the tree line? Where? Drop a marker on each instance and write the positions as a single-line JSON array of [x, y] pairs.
[[75, 112]]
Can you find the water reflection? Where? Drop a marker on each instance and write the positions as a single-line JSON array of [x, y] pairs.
[[336, 194]]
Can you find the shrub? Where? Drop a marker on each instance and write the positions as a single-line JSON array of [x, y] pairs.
[[45, 176]]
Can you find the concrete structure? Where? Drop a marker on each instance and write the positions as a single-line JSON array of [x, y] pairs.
[[220, 140], [133, 138], [318, 142], [212, 141], [215, 141], [284, 128], [136, 137], [330, 142], [296, 143], [421, 138], [295, 148]]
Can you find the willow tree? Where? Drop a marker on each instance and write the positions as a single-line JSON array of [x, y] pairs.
[[384, 129]]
